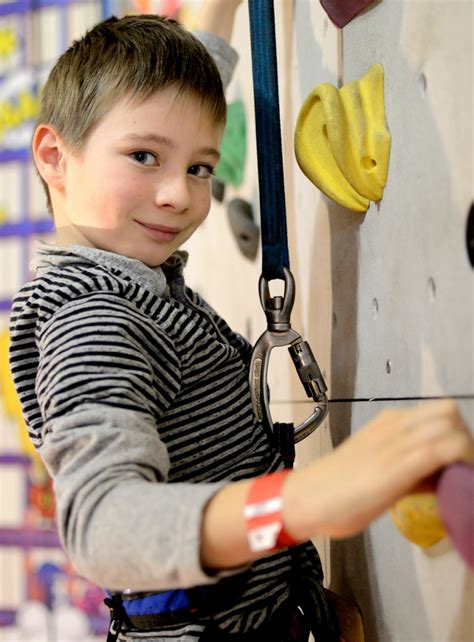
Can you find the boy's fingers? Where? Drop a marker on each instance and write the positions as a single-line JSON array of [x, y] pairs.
[[417, 442], [446, 409]]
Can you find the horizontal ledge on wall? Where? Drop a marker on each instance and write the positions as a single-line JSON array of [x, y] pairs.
[[421, 398], [369, 399]]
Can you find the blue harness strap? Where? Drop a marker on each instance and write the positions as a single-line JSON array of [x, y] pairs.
[[157, 604], [154, 610], [275, 254]]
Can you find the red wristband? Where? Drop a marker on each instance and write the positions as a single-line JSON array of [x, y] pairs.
[[262, 514]]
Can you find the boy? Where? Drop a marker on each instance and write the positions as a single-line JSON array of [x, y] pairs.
[[135, 391]]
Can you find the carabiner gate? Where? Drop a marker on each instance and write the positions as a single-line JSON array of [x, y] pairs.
[[279, 333]]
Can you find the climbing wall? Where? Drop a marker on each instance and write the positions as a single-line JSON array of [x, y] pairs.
[[403, 297], [386, 299]]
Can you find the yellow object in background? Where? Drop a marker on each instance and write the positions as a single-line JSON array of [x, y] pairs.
[[342, 142], [7, 389], [417, 517], [10, 401]]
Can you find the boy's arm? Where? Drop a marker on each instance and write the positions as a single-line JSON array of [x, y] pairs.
[[214, 29], [101, 389], [217, 17], [341, 493], [123, 528]]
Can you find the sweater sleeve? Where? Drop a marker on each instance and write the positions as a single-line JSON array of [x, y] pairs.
[[224, 55], [120, 523]]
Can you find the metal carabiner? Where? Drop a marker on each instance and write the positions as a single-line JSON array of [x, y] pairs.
[[279, 333]]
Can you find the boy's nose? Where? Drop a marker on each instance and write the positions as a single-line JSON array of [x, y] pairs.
[[173, 192]]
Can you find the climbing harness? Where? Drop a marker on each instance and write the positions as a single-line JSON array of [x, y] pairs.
[[275, 256], [141, 611]]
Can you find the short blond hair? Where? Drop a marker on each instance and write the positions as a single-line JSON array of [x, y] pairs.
[[133, 56]]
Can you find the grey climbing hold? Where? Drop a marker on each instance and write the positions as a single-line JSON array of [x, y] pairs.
[[246, 232], [218, 189]]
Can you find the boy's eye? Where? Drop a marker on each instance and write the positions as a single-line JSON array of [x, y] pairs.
[[144, 158], [201, 171]]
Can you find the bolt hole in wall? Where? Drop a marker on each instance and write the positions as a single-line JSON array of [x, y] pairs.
[[422, 82], [388, 366], [375, 309], [431, 289]]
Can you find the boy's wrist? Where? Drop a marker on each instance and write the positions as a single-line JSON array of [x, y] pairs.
[[263, 513]]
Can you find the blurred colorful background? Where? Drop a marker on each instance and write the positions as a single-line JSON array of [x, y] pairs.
[[41, 598]]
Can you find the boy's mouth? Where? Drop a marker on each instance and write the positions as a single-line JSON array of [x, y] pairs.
[[160, 232]]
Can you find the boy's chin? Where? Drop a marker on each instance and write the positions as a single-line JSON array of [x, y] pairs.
[[150, 259]]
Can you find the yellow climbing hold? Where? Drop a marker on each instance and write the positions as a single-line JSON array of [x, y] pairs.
[[10, 401], [417, 518], [8, 42], [342, 142]]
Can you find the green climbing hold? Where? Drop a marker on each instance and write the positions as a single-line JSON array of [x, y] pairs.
[[231, 166]]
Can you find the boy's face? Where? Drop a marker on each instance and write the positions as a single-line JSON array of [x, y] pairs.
[[140, 187]]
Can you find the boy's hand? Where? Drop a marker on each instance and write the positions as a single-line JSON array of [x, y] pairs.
[[341, 493], [382, 462]]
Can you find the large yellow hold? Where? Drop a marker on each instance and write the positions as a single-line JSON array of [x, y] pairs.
[[342, 142]]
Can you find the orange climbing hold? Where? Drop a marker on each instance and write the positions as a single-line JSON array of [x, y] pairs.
[[417, 516]]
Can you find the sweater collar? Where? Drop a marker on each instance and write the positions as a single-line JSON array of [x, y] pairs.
[[156, 279]]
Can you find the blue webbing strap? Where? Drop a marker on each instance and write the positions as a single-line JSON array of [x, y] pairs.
[[270, 160]]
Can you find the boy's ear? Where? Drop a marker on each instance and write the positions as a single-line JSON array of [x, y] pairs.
[[48, 151]]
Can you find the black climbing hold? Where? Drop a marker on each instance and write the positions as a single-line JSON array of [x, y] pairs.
[[470, 235]]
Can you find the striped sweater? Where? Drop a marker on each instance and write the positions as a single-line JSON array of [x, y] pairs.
[[135, 393]]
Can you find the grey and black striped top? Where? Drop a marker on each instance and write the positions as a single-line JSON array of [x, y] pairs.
[[128, 379]]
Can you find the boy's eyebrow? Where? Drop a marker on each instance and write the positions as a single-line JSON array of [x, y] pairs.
[[164, 140]]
